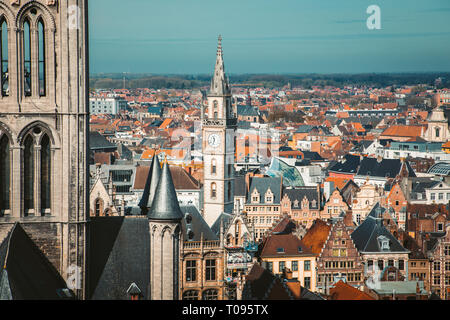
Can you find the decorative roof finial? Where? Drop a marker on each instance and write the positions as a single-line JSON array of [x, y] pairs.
[[219, 46]]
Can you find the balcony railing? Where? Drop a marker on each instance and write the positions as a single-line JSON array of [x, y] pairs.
[[219, 122], [198, 244]]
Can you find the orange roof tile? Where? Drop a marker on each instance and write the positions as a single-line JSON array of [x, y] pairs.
[[316, 236], [403, 131], [344, 291]]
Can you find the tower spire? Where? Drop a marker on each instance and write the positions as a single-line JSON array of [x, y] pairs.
[[219, 83]]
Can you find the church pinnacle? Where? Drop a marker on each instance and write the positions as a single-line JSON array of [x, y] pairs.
[[219, 83]]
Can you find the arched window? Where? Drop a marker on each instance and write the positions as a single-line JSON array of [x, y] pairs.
[[27, 57], [4, 174], [210, 294], [98, 207], [213, 166], [4, 57], [190, 295], [45, 173], [213, 190], [28, 174], [41, 58], [438, 131], [216, 113]]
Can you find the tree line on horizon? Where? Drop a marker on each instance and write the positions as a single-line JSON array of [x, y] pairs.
[[307, 81]]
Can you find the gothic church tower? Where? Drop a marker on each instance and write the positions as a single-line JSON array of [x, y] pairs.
[[218, 132], [44, 128]]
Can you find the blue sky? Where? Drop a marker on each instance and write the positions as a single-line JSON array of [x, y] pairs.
[[268, 36]]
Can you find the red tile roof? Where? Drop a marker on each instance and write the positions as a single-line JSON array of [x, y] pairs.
[[344, 291], [316, 236], [289, 244]]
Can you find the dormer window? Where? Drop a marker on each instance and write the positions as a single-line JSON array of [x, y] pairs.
[[280, 250], [269, 196], [255, 196], [383, 243]]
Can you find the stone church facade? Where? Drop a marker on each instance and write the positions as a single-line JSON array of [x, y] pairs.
[[43, 129]]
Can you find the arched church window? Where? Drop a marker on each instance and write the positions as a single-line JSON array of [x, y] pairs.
[[213, 166], [41, 58], [27, 57], [213, 190], [438, 131], [4, 174], [4, 57], [28, 174], [45, 173]]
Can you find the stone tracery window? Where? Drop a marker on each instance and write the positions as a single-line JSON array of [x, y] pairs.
[[4, 72], [27, 58], [41, 58], [37, 167], [4, 174], [45, 172], [28, 174]]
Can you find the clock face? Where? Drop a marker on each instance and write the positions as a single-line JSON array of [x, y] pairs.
[[214, 140]]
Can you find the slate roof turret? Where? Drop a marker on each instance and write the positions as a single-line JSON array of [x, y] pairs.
[[165, 203]]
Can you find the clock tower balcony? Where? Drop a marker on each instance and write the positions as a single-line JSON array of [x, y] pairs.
[[220, 122]]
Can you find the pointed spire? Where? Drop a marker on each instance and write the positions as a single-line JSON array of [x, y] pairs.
[[219, 82], [156, 174], [165, 203], [150, 185]]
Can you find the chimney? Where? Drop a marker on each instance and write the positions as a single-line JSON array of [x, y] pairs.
[[348, 218], [328, 188], [287, 273], [247, 181]]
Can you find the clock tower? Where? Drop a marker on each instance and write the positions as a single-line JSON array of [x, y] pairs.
[[218, 145]]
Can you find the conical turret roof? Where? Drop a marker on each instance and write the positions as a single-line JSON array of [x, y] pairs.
[[152, 182], [165, 203]]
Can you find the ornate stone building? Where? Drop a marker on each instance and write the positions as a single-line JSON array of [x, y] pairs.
[[219, 145], [102, 198], [335, 205], [437, 130], [43, 129], [339, 259], [364, 200], [302, 204], [439, 256]]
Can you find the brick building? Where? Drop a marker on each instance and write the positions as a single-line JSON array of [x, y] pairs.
[[302, 204], [339, 259]]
